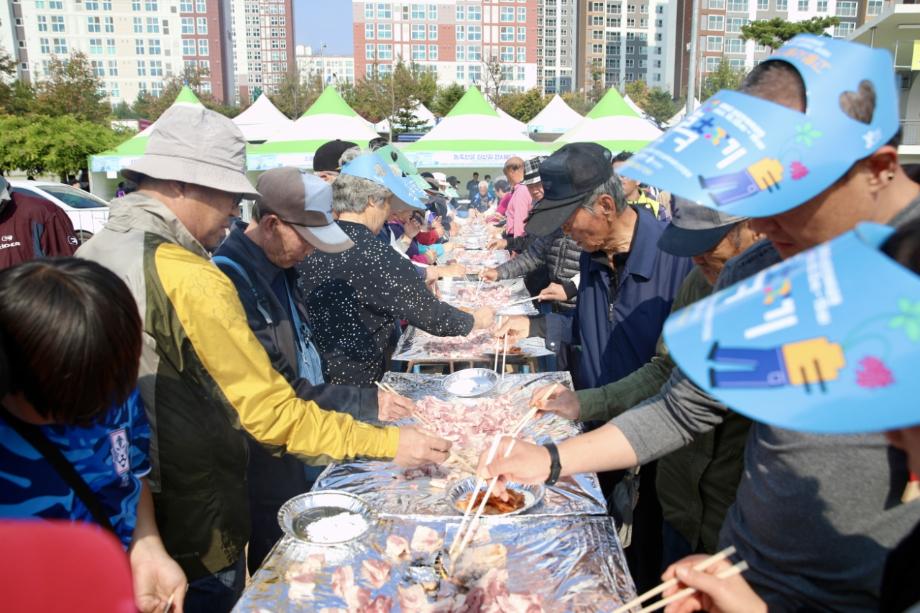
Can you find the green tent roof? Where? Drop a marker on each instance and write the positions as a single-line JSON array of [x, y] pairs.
[[472, 103], [612, 105], [187, 96], [329, 103]]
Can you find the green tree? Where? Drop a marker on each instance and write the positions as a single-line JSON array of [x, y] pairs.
[[523, 106], [724, 77], [660, 105], [295, 95], [638, 92], [371, 97], [148, 106], [72, 88], [446, 98], [774, 32], [578, 101], [492, 78], [123, 110]]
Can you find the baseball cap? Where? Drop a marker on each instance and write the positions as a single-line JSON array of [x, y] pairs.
[[823, 342], [4, 190], [327, 156], [532, 170], [371, 168], [753, 157], [304, 202], [695, 229], [568, 176]]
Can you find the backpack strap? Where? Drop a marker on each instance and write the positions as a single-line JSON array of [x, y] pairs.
[[222, 262]]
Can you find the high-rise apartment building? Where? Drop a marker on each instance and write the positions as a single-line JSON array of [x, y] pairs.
[[557, 45], [333, 69], [626, 40], [471, 42], [136, 45]]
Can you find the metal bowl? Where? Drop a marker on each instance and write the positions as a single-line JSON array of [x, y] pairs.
[[470, 382], [533, 494], [296, 515]]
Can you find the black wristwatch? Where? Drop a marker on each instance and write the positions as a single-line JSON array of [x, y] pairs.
[[554, 465]]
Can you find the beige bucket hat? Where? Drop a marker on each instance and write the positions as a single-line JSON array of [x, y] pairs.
[[195, 145]]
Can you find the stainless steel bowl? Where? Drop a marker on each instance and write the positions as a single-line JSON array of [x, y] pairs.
[[470, 382], [533, 494], [296, 515]]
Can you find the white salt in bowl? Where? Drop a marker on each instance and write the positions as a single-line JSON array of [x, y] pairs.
[[470, 382], [326, 518]]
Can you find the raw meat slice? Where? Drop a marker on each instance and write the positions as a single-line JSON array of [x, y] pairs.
[[375, 572], [380, 604], [397, 548], [412, 599], [426, 540]]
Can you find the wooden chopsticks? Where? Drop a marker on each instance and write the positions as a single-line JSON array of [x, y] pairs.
[[700, 566]]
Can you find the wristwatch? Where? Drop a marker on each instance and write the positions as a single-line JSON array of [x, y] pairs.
[[554, 466]]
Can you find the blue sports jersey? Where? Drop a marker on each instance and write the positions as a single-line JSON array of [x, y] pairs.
[[111, 456]]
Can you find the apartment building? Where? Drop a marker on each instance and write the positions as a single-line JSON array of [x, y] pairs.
[[626, 40], [332, 68], [136, 45], [456, 40], [557, 44]]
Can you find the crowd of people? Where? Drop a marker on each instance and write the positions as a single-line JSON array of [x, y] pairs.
[[185, 372]]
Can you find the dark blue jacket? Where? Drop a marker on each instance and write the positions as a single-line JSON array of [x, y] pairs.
[[619, 314]]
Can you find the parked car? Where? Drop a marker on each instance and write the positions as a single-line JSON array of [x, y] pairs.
[[88, 213]]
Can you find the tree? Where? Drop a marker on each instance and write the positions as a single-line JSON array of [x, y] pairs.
[[579, 103], [295, 95], [150, 107], [774, 32], [123, 110], [724, 77], [72, 88], [447, 98], [660, 105], [492, 79], [523, 106], [638, 92]]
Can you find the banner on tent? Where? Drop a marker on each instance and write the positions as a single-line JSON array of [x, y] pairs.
[[109, 163], [267, 161], [461, 159]]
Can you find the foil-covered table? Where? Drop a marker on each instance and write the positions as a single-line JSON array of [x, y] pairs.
[[480, 346], [391, 490], [559, 564], [477, 259], [495, 294]]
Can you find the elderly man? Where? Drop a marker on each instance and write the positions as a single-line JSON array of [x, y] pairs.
[[627, 285], [327, 161], [293, 218], [356, 297], [31, 227], [205, 379], [814, 516], [634, 194], [696, 484]]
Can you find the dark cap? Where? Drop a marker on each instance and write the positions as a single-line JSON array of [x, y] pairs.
[[695, 229], [454, 181], [532, 170], [304, 202], [569, 176], [328, 154]]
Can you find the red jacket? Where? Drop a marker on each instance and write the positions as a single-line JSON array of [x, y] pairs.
[[32, 227]]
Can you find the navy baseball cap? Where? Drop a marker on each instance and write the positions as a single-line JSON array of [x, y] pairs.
[[569, 176], [695, 229]]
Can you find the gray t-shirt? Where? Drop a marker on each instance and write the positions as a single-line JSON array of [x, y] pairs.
[[815, 516]]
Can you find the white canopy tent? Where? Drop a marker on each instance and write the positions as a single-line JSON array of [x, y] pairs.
[[262, 120], [420, 112], [679, 115], [556, 118], [614, 124]]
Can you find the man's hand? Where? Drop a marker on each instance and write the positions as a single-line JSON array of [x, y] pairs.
[[489, 274], [483, 317], [561, 401], [452, 270], [391, 407], [527, 463], [431, 256], [497, 243], [156, 576], [516, 327], [553, 292], [729, 595], [417, 448]]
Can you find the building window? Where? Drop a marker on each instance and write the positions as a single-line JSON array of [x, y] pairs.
[[57, 23], [384, 52], [597, 20], [139, 46], [506, 34], [763, 5], [368, 10], [874, 7], [418, 31], [433, 31], [433, 52], [113, 68], [432, 12], [110, 46], [734, 24], [461, 52], [474, 54], [418, 51], [203, 47], [597, 48], [522, 14], [522, 35], [45, 45], [369, 31], [188, 25], [630, 62], [418, 12], [201, 6], [95, 46], [506, 14], [461, 32], [156, 88], [844, 29], [141, 68], [384, 31], [740, 6], [459, 17], [474, 13], [384, 11], [474, 33], [109, 25], [42, 23], [56, 4], [91, 5], [138, 25], [803, 5], [734, 45], [188, 46], [717, 4], [846, 8], [782, 5], [822, 6], [715, 23], [712, 63], [136, 6], [507, 54], [461, 69], [185, 6], [153, 25], [156, 68], [736, 63], [202, 26], [151, 6], [475, 73]]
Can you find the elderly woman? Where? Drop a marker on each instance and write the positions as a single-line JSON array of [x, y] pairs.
[[355, 298], [481, 201]]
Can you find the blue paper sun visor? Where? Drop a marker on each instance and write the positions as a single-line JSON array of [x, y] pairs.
[[370, 167], [754, 158], [826, 341]]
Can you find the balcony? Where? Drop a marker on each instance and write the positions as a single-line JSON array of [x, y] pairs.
[[910, 132]]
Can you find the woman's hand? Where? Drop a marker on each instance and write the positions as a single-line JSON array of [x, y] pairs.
[[729, 595]]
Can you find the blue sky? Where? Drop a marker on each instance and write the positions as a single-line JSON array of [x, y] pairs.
[[327, 21]]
